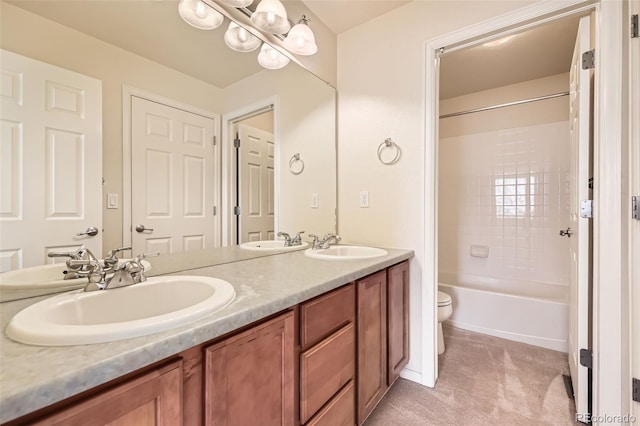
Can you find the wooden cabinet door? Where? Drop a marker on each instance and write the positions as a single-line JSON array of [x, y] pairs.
[[249, 378], [372, 342], [152, 399], [398, 319]]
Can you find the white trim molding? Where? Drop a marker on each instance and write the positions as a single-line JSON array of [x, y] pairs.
[[608, 356]]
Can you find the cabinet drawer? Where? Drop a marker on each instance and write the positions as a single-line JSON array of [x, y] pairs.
[[325, 314], [340, 411], [325, 369]]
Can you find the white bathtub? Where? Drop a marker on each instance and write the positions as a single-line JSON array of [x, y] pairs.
[[530, 312]]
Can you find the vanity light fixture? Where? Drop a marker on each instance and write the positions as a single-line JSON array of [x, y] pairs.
[[239, 39], [271, 59], [200, 15], [270, 16], [300, 39]]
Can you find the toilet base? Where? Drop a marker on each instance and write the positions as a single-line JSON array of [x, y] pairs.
[[440, 339]]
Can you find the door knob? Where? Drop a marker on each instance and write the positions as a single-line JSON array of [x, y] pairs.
[[141, 228], [91, 231], [566, 232]]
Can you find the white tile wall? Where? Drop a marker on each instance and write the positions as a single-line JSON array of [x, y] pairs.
[[507, 189]]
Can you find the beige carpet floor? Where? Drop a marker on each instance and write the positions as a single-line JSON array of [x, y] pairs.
[[483, 380]]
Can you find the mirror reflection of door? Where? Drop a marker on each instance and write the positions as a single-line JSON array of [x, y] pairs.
[[255, 178], [50, 162], [173, 178]]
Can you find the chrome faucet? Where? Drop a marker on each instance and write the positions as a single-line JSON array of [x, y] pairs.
[[77, 269], [290, 242], [325, 242], [111, 259], [130, 272]]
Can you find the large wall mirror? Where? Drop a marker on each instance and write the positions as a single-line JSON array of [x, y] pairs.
[[149, 63]]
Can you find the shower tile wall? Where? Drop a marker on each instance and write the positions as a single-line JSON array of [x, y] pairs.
[[508, 190]]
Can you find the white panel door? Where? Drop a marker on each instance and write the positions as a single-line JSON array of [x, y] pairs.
[[50, 161], [256, 184], [579, 299], [172, 153]]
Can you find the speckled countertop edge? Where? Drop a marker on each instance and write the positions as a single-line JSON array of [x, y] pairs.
[[33, 377]]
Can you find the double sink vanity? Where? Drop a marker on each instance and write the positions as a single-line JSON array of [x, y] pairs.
[[296, 337]]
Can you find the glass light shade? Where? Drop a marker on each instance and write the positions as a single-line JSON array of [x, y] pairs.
[[238, 3], [239, 39], [199, 15], [271, 16], [301, 40], [271, 59]]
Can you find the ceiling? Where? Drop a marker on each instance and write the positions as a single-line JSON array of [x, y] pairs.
[[342, 15], [539, 52], [154, 30]]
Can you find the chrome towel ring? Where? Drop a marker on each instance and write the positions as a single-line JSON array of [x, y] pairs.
[[389, 144], [296, 165]]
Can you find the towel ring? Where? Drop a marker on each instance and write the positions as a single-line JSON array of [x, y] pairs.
[[388, 143], [296, 160]]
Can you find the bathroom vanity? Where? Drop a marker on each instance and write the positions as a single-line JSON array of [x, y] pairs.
[[306, 342]]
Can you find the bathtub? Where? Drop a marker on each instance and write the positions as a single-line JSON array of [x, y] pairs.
[[529, 312]]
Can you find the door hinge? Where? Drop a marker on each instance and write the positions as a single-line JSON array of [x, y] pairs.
[[586, 209], [590, 183], [214, 140], [215, 210], [236, 142], [586, 358], [635, 207], [635, 389], [634, 26], [236, 210], [589, 59]]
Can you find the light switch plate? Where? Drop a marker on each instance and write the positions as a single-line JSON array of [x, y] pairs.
[[112, 201], [314, 201]]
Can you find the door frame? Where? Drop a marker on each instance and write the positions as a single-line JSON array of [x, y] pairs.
[[228, 167], [607, 294], [634, 225], [128, 92]]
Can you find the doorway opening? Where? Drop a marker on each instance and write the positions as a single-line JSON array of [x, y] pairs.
[[506, 179], [250, 177]]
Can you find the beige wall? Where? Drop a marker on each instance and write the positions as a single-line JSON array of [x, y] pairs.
[[381, 90], [262, 121], [30, 35], [547, 111]]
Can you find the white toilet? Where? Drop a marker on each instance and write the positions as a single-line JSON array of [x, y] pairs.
[[445, 309]]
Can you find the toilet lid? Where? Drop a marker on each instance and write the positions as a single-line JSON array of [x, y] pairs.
[[443, 299]]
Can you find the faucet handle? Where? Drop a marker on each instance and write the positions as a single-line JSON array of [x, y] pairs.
[[112, 253], [139, 257]]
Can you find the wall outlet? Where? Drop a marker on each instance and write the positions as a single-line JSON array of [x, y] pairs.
[[314, 201], [364, 199]]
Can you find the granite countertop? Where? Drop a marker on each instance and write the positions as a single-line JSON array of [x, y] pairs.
[[33, 377]]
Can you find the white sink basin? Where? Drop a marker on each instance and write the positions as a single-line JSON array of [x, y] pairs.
[[339, 252], [40, 280], [271, 245], [158, 304]]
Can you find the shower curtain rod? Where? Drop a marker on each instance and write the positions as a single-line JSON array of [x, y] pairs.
[[524, 101]]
